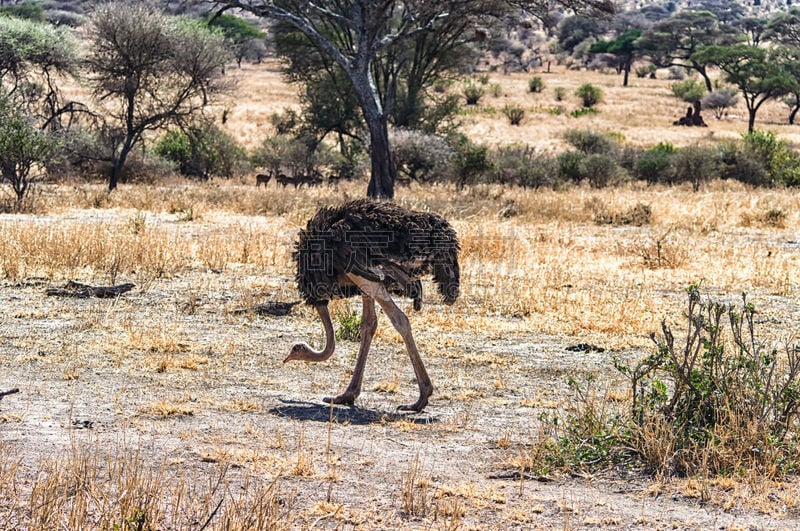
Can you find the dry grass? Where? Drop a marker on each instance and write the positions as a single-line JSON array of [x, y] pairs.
[[89, 488]]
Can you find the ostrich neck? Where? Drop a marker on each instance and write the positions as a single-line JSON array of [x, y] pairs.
[[330, 341]]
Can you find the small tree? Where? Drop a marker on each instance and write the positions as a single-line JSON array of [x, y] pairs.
[[148, 71], [23, 149]]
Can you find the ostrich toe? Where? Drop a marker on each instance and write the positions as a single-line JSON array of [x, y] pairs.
[[343, 399]]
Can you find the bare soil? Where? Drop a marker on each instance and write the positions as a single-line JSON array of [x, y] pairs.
[[192, 386]]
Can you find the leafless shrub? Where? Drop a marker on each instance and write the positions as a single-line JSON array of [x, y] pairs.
[[662, 252], [720, 101], [420, 156]]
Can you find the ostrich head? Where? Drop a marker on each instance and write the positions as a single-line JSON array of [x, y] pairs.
[[301, 351]]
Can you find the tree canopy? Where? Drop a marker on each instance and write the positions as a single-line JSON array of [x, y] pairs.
[[369, 42], [760, 74], [674, 41]]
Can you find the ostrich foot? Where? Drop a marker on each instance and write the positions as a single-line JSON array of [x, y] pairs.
[[420, 404], [417, 406], [345, 398]]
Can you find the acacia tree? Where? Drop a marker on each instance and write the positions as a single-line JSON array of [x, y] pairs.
[[758, 73], [624, 48], [784, 29], [356, 35], [674, 41], [239, 33], [148, 71]]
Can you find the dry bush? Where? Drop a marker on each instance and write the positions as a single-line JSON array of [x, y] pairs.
[[637, 215], [773, 217], [664, 251]]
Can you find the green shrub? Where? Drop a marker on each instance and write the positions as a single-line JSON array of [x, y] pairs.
[[29, 10], [471, 160], [589, 94], [536, 84], [523, 166], [781, 163], [559, 93], [689, 90], [589, 142], [569, 166], [514, 113], [696, 165], [655, 165], [296, 157], [473, 93], [717, 401], [601, 170], [583, 111], [712, 399], [349, 326], [203, 151], [496, 89], [742, 165]]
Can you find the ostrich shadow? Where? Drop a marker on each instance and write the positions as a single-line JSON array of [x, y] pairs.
[[312, 411]]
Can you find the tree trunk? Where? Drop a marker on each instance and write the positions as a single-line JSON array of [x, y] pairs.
[[751, 120], [796, 108], [706, 79], [117, 163], [626, 71], [113, 177], [381, 181]]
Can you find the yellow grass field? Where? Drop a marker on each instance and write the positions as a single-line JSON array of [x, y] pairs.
[[170, 407]]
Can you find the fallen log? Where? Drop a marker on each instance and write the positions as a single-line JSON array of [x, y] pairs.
[[83, 291]]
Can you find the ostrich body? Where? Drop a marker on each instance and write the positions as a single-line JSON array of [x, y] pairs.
[[373, 249]]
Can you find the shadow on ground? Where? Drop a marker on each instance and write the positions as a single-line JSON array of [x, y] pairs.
[[299, 410]]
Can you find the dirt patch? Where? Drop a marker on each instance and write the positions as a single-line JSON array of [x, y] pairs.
[[196, 388]]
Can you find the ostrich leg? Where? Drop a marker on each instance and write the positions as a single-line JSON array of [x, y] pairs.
[[399, 320], [369, 323]]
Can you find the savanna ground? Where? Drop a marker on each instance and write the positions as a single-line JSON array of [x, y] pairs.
[[171, 408]]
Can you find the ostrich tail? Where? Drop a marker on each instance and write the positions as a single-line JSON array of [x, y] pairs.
[[446, 274]]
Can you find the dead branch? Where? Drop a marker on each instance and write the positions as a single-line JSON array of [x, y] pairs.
[[9, 392], [83, 291]]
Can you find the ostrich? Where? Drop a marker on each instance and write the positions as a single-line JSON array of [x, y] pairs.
[[373, 249]]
